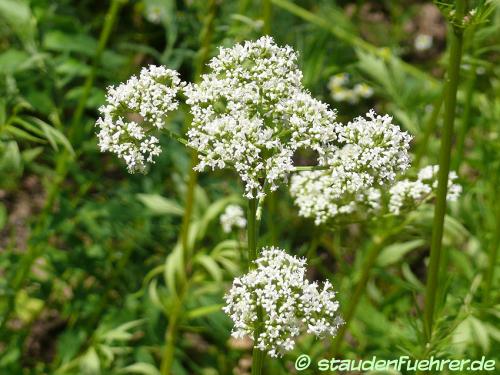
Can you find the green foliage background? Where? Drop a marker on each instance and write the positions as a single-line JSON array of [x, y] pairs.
[[89, 255]]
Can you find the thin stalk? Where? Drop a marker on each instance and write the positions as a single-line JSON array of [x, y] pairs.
[[252, 232], [266, 16], [188, 208], [429, 128], [257, 355], [175, 313], [450, 102], [493, 254], [171, 333], [109, 22], [304, 168], [371, 257]]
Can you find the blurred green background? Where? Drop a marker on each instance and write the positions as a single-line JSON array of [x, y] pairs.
[[87, 251]]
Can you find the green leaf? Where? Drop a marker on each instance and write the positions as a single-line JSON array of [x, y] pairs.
[[60, 41], [480, 333], [210, 265], [12, 61], [90, 363], [160, 205], [121, 333], [173, 269], [204, 310], [53, 135], [213, 212], [10, 157], [141, 368], [17, 14], [22, 134], [395, 252]]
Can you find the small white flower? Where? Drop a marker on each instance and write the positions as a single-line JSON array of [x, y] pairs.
[[423, 42], [134, 112], [338, 80], [290, 303], [154, 14], [363, 90], [233, 217], [341, 93]]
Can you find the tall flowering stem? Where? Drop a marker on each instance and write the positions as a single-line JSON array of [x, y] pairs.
[[257, 355], [266, 15], [371, 257], [172, 329], [450, 101]]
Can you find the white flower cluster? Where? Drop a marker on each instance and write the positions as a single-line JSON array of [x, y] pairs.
[[313, 195], [233, 217], [340, 92], [251, 112], [370, 152], [290, 303], [134, 110], [407, 194]]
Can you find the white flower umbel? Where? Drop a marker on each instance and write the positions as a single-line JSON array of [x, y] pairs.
[[134, 113], [369, 153], [233, 217], [290, 303], [407, 194], [251, 113], [315, 199]]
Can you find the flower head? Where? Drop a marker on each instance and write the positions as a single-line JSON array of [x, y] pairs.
[[407, 194], [289, 302], [134, 112], [232, 217], [252, 113], [369, 153], [316, 198]]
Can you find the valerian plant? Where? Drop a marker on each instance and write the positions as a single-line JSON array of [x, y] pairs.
[[251, 113]]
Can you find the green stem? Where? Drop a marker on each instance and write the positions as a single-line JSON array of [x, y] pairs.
[[493, 254], [371, 257], [266, 16], [257, 355], [450, 101], [304, 168], [429, 128], [188, 208], [252, 232], [174, 315], [76, 129], [171, 333]]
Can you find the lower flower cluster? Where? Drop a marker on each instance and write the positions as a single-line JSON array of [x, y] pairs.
[[317, 196], [290, 304]]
